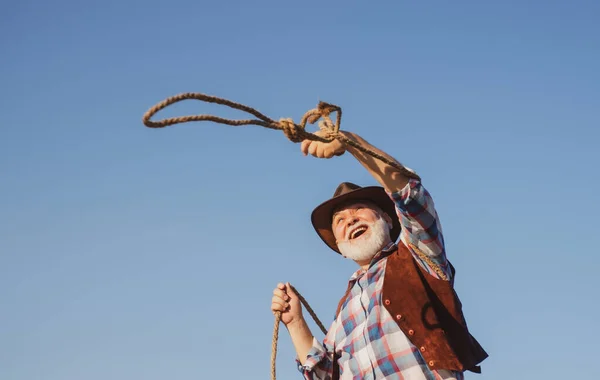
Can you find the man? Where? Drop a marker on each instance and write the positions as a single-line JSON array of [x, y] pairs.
[[409, 326]]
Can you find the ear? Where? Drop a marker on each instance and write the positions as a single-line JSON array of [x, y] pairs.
[[388, 220]]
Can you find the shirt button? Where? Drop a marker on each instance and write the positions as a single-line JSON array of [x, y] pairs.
[[399, 317], [411, 332], [387, 302]]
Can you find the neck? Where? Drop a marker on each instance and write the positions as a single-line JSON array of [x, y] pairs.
[[365, 264]]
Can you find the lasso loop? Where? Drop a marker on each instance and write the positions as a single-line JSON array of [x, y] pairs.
[[296, 133]]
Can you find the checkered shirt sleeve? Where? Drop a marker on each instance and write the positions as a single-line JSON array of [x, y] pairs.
[[319, 361], [421, 226]]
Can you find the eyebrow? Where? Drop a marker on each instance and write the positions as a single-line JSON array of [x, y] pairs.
[[352, 205], [335, 214]]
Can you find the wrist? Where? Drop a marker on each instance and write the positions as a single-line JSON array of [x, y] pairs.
[[297, 324]]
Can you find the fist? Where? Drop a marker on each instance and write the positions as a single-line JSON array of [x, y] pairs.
[[320, 149], [286, 302]]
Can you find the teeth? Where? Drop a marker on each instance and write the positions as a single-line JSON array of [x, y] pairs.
[[356, 231]]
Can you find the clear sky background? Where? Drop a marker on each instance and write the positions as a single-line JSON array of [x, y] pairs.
[[131, 253]]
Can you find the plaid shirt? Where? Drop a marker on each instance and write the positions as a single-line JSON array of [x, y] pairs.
[[368, 340]]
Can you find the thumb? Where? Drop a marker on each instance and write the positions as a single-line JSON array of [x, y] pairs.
[[290, 290]]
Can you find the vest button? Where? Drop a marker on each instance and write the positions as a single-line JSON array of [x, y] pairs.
[[431, 363], [422, 349], [387, 302], [399, 317], [411, 332]]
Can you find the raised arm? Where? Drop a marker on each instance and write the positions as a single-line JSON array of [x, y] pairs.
[[421, 227], [388, 176]]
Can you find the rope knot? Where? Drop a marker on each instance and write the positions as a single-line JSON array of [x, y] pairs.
[[329, 130], [323, 111], [291, 130]]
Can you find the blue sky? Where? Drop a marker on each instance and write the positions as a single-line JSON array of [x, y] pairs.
[[130, 253]]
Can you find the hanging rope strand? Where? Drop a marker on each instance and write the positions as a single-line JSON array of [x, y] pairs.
[[294, 132], [276, 330]]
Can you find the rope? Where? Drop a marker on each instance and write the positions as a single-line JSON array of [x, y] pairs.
[[294, 132], [436, 268], [276, 330]]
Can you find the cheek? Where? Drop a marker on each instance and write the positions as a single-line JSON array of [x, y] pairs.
[[369, 216], [338, 233]]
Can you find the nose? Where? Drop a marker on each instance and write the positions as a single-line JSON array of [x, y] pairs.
[[352, 221]]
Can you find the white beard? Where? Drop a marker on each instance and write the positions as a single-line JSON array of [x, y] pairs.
[[366, 247]]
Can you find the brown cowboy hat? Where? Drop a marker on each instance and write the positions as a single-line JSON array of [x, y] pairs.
[[349, 192]]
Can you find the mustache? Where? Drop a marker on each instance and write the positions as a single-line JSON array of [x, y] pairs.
[[357, 226]]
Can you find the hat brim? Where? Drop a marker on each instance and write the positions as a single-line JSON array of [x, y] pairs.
[[322, 214]]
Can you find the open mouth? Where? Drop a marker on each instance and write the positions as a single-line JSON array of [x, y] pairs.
[[357, 232]]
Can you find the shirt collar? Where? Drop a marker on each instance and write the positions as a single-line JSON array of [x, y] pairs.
[[385, 252]]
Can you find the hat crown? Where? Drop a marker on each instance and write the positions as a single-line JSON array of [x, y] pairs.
[[344, 188]]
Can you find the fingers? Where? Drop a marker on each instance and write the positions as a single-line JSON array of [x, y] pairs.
[[319, 150], [285, 292], [320, 153], [280, 299], [328, 153], [281, 294], [325, 151], [312, 148], [277, 304], [290, 291], [304, 146]]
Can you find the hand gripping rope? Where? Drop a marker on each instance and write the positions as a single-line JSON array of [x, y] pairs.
[[294, 132]]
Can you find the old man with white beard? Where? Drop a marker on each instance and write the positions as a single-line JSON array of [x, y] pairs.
[[400, 317]]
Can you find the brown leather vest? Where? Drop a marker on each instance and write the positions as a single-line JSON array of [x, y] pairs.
[[429, 313]]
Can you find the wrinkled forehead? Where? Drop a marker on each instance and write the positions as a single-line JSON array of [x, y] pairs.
[[354, 204]]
